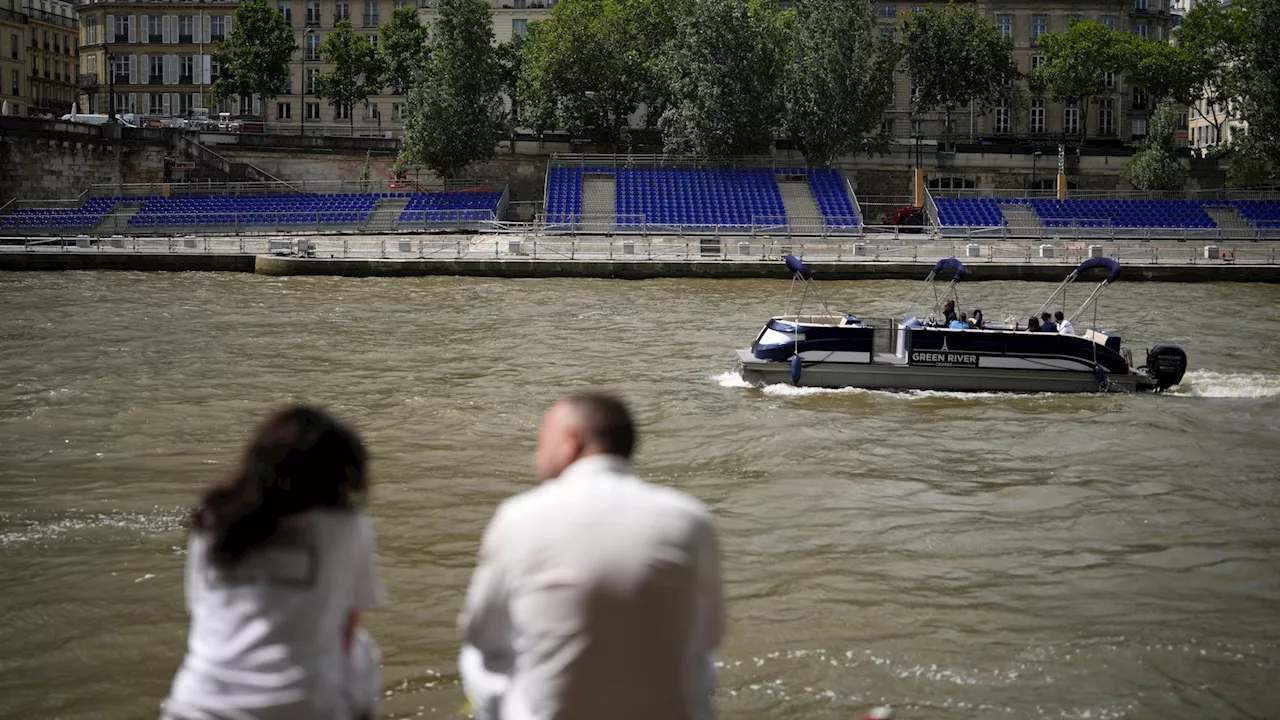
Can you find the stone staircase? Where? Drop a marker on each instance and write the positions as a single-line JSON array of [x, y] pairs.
[[799, 202], [116, 222], [599, 203], [1231, 222], [386, 215], [1021, 217]]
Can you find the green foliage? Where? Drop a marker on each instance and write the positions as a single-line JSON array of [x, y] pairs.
[[403, 46], [357, 69], [1214, 39], [838, 78], [723, 74], [591, 67], [254, 57], [454, 116], [954, 57], [510, 59], [1075, 62], [1155, 167], [1167, 72], [1260, 72]]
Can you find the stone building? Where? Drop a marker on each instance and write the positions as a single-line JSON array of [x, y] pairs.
[[13, 57], [53, 50]]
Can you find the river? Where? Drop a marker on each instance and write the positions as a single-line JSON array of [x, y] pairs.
[[955, 556]]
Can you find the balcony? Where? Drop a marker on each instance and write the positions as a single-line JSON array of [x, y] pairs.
[[186, 80], [154, 38], [87, 80], [186, 39], [313, 19], [122, 79], [155, 80], [217, 37], [120, 37], [339, 17], [13, 17]]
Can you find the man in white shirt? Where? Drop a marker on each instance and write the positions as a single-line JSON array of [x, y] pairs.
[[596, 595], [1064, 326]]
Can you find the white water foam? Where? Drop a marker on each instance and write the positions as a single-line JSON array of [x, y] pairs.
[[1211, 384], [735, 380]]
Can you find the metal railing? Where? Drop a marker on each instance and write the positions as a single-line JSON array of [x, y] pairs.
[[529, 246]]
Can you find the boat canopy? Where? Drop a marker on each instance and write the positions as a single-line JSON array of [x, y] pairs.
[[797, 267], [949, 264], [1112, 267], [943, 265]]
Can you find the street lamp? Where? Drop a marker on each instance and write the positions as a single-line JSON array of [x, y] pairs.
[[302, 90], [1035, 158]]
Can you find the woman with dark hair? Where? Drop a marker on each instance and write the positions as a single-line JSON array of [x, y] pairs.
[[280, 565]]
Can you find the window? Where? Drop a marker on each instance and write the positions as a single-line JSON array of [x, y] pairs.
[[214, 68], [123, 103], [313, 46], [1037, 115], [91, 31], [886, 126], [1109, 79], [186, 69], [341, 11], [155, 75], [217, 28], [57, 45], [1107, 117], [155, 28], [1182, 121], [397, 111], [312, 73], [1138, 127], [1071, 117], [889, 11], [519, 27], [402, 3], [1140, 29], [1003, 124], [520, 4], [1109, 21], [122, 69], [341, 112], [1139, 4], [1005, 23], [246, 104], [286, 10], [373, 40], [17, 89], [122, 29], [284, 111], [313, 13], [917, 128], [1039, 26], [371, 112], [1139, 99], [1036, 61], [886, 34], [186, 101], [371, 13], [46, 39], [184, 29], [155, 103], [313, 111], [13, 46]]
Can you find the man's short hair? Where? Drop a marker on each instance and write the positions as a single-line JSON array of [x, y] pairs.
[[605, 422], [1045, 317], [1058, 316]]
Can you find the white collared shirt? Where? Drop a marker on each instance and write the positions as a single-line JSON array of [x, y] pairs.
[[1065, 328], [596, 595]]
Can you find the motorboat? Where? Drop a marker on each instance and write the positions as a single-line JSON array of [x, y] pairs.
[[838, 350]]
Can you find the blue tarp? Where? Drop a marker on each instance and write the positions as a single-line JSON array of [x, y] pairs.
[[1112, 266], [950, 264], [795, 266]]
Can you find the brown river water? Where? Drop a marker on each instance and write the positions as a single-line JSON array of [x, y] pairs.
[[982, 556]]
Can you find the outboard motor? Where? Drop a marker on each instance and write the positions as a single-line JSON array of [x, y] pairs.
[[1167, 364]]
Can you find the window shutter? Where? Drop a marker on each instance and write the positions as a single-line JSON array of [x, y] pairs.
[[208, 24], [168, 104], [144, 65], [133, 69], [133, 28], [109, 34], [207, 69], [146, 27], [227, 27]]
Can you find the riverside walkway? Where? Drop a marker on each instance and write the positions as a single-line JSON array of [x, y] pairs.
[[533, 255]]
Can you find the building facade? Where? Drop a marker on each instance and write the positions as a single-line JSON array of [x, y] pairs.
[[53, 50], [13, 57]]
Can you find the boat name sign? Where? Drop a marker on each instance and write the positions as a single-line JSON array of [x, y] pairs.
[[943, 359]]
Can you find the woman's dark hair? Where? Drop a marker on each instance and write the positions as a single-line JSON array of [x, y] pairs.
[[301, 458]]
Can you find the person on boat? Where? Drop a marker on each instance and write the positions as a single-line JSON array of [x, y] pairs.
[[1033, 325], [1064, 326], [280, 565], [1047, 324], [960, 323], [949, 312]]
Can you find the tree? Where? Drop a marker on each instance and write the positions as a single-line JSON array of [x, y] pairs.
[[1166, 71], [838, 78], [723, 72], [1255, 158], [510, 57], [1214, 38], [454, 115], [404, 49], [254, 57], [356, 73], [956, 57], [1076, 62], [1155, 167]]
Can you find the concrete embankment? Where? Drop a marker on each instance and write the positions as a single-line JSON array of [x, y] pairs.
[[621, 269]]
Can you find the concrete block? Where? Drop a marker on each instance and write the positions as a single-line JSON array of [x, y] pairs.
[[973, 250], [1046, 251], [1095, 251], [1211, 252]]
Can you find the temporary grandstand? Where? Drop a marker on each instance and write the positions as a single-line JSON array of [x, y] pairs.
[[256, 208], [650, 193]]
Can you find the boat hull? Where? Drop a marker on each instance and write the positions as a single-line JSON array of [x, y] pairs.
[[901, 376]]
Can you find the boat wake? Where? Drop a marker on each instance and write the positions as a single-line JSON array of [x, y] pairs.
[[734, 380], [1211, 384]]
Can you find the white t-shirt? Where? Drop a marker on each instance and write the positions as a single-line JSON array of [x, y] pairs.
[[266, 638], [1065, 328]]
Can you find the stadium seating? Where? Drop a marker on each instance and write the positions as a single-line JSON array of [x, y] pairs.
[[84, 217], [1262, 213], [228, 210], [969, 212], [1127, 213], [564, 195], [833, 200], [699, 197], [452, 206]]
